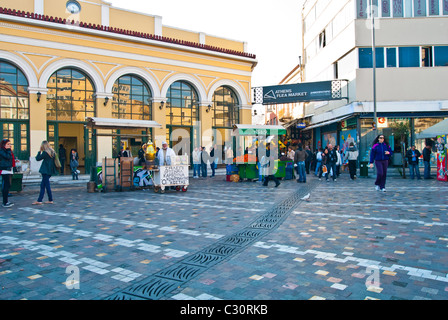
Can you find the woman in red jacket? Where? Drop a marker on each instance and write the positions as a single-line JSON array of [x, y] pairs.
[[7, 163]]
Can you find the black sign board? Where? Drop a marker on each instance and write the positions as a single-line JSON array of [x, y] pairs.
[[299, 92]]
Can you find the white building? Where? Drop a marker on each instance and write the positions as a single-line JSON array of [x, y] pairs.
[[411, 68]]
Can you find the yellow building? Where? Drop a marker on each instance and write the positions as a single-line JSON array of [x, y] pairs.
[[64, 61]]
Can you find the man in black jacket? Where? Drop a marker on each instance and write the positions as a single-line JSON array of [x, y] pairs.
[[331, 161], [427, 162]]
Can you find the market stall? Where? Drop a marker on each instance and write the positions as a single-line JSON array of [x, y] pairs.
[[174, 176], [249, 137], [440, 133], [114, 174]]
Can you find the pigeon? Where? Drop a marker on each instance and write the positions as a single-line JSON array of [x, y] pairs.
[[306, 198]]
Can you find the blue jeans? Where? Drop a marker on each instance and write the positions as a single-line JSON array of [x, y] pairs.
[[331, 166], [427, 172], [204, 170], [45, 185], [318, 165], [414, 168], [301, 170], [196, 170]]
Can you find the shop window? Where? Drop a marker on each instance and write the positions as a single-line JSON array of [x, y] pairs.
[[70, 96], [441, 56], [182, 104], [409, 57], [132, 99], [14, 100], [225, 108]]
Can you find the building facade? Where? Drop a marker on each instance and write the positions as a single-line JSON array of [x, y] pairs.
[[64, 61], [411, 74]]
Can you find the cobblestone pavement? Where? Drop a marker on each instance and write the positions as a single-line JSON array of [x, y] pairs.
[[233, 240]]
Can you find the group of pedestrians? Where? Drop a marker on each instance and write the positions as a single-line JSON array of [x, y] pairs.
[[328, 162], [52, 164], [200, 159]]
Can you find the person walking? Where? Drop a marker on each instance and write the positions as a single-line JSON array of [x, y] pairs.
[[331, 162], [427, 162], [413, 155], [380, 154], [318, 162], [74, 163], [309, 158], [299, 159], [7, 164], [323, 170], [351, 155], [62, 157], [268, 164], [338, 162], [47, 169]]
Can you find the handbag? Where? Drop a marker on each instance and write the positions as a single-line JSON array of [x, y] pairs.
[[324, 169]]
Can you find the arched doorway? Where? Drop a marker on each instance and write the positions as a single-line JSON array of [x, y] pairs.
[[70, 99], [14, 109], [132, 100]]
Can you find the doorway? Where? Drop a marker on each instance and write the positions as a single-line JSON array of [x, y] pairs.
[[69, 143]]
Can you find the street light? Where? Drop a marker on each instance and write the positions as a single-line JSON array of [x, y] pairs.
[[372, 16]]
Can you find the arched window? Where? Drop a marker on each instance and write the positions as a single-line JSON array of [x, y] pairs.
[[13, 93], [14, 109], [182, 104], [225, 108], [71, 96], [132, 99]]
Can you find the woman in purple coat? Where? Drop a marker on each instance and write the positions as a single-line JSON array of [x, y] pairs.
[[380, 154]]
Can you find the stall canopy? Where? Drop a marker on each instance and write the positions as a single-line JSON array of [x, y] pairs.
[[109, 123], [436, 130], [257, 130]]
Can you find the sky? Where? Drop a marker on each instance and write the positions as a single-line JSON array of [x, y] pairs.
[[272, 29]]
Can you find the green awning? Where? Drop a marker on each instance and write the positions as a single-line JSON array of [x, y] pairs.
[[258, 130]]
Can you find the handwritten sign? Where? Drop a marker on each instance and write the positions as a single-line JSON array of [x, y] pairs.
[[174, 175]]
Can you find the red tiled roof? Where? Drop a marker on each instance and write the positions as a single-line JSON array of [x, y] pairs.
[[34, 16]]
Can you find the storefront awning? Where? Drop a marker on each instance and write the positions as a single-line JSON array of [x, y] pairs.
[[436, 130], [257, 130], [321, 124], [110, 123]]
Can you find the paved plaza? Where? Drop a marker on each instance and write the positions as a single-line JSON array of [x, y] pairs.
[[230, 241]]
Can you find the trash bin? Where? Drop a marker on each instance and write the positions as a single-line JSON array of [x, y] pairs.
[[16, 182], [364, 168]]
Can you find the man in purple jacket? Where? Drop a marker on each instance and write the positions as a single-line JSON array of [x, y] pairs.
[[380, 153]]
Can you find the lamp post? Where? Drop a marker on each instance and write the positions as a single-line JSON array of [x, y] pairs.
[[372, 17]]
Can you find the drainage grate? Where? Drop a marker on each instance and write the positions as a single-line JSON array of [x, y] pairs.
[[180, 272], [204, 259], [167, 280]]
